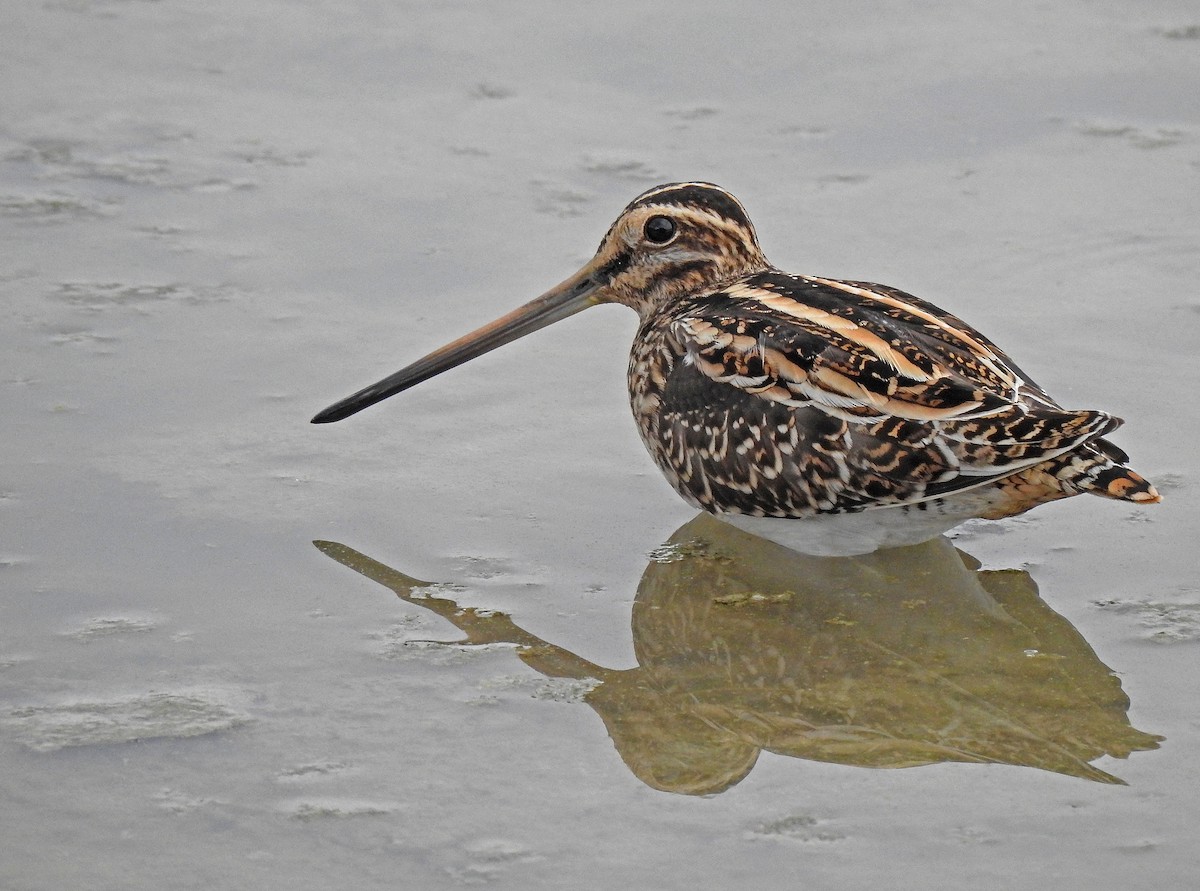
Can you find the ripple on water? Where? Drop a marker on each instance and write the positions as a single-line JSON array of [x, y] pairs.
[[1162, 622], [141, 716], [797, 827], [99, 296], [1133, 134], [486, 860], [110, 626], [327, 808], [311, 770], [54, 207]]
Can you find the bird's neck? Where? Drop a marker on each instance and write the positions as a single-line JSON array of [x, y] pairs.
[[660, 295]]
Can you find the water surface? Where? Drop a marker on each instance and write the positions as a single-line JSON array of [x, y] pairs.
[[219, 218]]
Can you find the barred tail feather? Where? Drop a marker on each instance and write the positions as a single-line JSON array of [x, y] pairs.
[[1095, 468]]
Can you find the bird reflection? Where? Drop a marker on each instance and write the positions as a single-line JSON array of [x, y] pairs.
[[898, 658]]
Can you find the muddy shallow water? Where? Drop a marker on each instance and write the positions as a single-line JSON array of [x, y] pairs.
[[217, 219]]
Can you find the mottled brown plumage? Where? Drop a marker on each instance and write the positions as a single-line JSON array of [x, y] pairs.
[[762, 394]]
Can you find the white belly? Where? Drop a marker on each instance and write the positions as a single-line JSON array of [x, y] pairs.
[[845, 535]]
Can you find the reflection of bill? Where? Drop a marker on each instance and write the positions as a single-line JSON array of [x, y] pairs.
[[893, 659]]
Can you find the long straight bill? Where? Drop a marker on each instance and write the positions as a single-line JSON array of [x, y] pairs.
[[573, 295]]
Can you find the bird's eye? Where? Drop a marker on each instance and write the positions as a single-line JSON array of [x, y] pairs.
[[660, 230]]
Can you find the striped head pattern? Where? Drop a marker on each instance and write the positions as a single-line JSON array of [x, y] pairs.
[[675, 239]]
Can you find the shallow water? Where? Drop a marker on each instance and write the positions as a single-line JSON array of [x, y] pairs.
[[217, 219]]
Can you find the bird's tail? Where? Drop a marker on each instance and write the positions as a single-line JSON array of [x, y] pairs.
[[1100, 467]]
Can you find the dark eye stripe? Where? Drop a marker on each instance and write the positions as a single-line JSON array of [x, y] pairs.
[[614, 268]]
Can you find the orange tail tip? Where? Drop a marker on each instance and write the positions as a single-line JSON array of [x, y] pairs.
[[1128, 485]]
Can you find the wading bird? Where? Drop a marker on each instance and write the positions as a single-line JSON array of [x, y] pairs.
[[833, 417]]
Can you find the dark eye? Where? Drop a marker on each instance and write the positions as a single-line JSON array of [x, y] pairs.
[[660, 230]]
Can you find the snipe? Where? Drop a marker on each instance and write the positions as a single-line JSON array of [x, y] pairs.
[[830, 416]]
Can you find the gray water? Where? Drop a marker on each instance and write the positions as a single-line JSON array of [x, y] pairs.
[[217, 218]]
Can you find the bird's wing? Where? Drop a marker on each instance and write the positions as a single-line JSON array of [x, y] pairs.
[[924, 403], [791, 340]]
